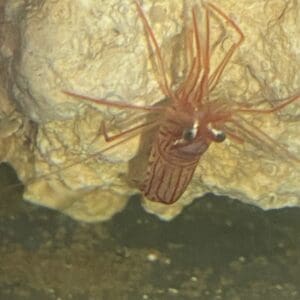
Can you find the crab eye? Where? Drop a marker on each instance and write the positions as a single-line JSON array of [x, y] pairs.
[[218, 135], [189, 134]]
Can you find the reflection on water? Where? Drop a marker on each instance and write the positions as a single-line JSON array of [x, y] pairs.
[[216, 249]]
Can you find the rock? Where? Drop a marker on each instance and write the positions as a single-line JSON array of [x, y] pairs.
[[98, 48]]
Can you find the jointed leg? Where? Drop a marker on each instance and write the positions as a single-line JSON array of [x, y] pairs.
[[284, 103], [233, 135], [98, 153], [165, 86], [214, 78], [194, 74], [116, 104], [117, 136], [203, 88], [264, 139]]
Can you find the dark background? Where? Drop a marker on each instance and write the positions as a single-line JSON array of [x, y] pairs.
[[217, 248]]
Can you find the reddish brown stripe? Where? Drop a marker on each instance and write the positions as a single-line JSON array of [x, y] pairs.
[[151, 172], [160, 181], [173, 122], [177, 185], [165, 182], [164, 134]]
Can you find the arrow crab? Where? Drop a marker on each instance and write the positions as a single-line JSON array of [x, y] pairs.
[[191, 118]]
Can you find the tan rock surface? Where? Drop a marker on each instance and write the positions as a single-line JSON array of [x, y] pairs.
[[98, 48]]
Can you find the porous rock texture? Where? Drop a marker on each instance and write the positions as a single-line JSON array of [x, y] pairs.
[[98, 48]]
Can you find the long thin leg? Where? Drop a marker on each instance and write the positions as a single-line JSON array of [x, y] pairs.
[[214, 78], [90, 157], [199, 55], [117, 104], [192, 63], [120, 105], [191, 80], [203, 86], [264, 139], [165, 86], [207, 55], [184, 87], [284, 103], [233, 136], [117, 136]]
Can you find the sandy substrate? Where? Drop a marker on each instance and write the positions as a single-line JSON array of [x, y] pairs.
[[217, 249]]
